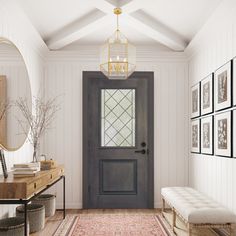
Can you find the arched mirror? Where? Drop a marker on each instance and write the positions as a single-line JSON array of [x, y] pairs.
[[14, 84]]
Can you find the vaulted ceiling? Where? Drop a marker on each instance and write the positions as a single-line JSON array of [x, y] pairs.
[[167, 24]]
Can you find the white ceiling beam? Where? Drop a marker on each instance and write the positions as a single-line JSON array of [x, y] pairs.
[[152, 29], [108, 7], [82, 27], [139, 20]]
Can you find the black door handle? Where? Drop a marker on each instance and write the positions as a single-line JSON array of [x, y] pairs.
[[143, 151]]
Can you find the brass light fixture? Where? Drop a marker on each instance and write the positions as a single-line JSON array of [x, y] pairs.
[[118, 56]]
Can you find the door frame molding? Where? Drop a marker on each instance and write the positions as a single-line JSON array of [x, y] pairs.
[[136, 75]]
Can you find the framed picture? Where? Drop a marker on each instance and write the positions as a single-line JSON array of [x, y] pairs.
[[223, 82], [234, 82], [234, 133], [223, 125], [207, 95], [207, 135], [195, 100], [195, 136]]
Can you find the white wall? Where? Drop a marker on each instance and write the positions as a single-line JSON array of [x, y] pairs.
[[213, 46], [16, 27], [63, 76]]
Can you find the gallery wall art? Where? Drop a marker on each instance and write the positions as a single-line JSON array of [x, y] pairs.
[[195, 100], [223, 128], [213, 113], [195, 136], [223, 83], [207, 95], [207, 135]]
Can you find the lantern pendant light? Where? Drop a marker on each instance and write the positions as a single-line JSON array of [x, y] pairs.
[[118, 56]]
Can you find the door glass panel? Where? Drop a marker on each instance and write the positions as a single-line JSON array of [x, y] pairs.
[[118, 117]]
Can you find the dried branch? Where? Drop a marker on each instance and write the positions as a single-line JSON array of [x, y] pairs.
[[38, 122]]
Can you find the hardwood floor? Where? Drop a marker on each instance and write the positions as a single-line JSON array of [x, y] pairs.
[[52, 223]]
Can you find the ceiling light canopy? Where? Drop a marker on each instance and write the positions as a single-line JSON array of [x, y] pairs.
[[118, 56]]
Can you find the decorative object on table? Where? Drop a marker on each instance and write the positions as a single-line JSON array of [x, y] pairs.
[[47, 164], [195, 100], [36, 216], [26, 169], [222, 133], [49, 201], [118, 56], [223, 83], [207, 91], [207, 135], [40, 121], [195, 136], [13, 226], [3, 163]]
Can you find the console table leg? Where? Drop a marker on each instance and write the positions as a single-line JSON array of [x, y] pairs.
[[64, 197], [25, 216]]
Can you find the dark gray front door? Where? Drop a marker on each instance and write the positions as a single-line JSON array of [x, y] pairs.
[[118, 141]]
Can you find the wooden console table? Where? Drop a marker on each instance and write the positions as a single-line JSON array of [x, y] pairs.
[[23, 190]]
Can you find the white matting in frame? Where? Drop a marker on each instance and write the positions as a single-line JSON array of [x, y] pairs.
[[223, 134], [234, 133], [234, 82], [195, 136], [207, 95], [222, 84], [195, 100], [207, 135]]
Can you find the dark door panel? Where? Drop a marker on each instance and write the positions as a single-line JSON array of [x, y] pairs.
[[118, 141]]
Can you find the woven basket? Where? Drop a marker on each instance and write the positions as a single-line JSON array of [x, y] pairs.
[[36, 216], [49, 201], [12, 226]]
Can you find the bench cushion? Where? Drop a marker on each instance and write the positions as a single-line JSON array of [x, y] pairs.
[[195, 207]]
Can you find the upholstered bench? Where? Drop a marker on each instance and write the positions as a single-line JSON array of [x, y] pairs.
[[196, 210]]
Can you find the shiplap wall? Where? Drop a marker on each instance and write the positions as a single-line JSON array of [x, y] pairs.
[[16, 27], [213, 46], [63, 76]]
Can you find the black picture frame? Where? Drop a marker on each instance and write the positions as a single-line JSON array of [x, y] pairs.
[[204, 149], [225, 99], [207, 87], [196, 100], [226, 132], [196, 131]]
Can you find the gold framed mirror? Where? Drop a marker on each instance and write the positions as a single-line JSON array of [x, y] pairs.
[[14, 84]]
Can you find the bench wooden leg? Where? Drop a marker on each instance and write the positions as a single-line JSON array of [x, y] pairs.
[[231, 230], [189, 230], [163, 207], [173, 219]]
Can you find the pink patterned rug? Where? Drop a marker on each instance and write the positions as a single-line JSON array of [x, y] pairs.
[[112, 225]]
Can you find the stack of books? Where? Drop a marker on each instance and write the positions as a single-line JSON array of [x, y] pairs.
[[26, 169]]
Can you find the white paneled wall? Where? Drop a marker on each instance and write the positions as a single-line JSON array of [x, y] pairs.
[[63, 76], [16, 27], [213, 46]]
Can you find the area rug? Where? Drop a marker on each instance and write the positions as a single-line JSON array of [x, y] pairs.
[[113, 225]]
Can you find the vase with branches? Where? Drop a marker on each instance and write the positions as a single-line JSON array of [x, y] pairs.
[[39, 121]]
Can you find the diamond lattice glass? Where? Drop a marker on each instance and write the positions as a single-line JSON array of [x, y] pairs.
[[118, 117]]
